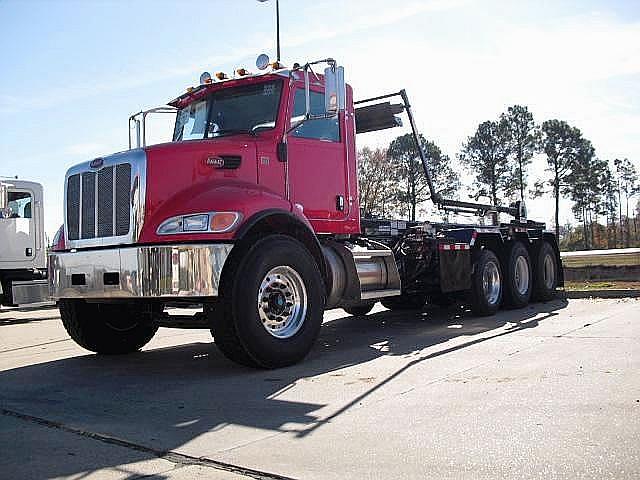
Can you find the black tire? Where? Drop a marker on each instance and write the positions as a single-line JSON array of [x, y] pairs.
[[360, 309], [414, 301], [518, 277], [107, 328], [237, 327], [545, 277], [483, 302]]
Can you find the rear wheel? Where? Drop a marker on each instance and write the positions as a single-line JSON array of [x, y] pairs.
[[486, 284], [360, 309], [414, 301], [545, 273], [108, 328], [519, 278], [272, 304]]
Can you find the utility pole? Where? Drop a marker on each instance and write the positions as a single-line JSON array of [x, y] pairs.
[[277, 28]]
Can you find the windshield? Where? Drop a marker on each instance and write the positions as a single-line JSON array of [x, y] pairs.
[[231, 110]]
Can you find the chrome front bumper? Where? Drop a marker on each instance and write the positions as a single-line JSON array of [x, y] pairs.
[[138, 272]]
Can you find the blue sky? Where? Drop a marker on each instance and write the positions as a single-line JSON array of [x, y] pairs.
[[72, 72]]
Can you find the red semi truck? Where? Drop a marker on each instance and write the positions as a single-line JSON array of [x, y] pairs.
[[252, 211]]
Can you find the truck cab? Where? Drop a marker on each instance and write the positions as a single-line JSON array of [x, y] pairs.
[[22, 242]]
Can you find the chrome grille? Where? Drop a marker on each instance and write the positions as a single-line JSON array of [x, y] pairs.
[[123, 200], [88, 206], [73, 206], [105, 205], [98, 203]]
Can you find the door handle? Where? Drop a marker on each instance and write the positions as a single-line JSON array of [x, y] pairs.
[[282, 152]]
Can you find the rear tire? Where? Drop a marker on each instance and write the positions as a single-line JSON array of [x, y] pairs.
[[545, 274], [486, 284], [272, 303], [414, 301], [360, 309], [518, 277], [108, 328]]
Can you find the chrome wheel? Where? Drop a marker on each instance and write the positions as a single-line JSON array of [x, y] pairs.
[[522, 275], [282, 302], [491, 282], [549, 272]]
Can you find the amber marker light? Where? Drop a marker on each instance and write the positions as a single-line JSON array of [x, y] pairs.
[[224, 221], [221, 76]]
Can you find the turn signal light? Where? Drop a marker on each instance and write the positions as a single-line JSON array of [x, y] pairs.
[[223, 221]]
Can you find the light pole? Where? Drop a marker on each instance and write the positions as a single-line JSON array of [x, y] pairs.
[[277, 28]]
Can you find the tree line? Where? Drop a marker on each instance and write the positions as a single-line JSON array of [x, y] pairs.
[[498, 156]]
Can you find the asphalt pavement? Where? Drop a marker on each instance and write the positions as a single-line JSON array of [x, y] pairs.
[[549, 391]]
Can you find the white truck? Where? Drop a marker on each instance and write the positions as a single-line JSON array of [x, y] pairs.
[[23, 256]]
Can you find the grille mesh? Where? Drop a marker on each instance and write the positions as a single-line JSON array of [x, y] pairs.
[[123, 189], [88, 213], [105, 205], [83, 205], [73, 206]]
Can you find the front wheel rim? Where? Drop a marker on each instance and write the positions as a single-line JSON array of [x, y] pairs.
[[282, 302], [491, 283]]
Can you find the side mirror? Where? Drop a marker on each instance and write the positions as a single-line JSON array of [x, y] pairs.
[[334, 90]]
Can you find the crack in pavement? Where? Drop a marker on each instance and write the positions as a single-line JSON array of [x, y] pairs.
[[34, 346], [169, 455]]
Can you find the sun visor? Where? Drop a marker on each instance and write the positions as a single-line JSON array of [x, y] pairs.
[[378, 117]]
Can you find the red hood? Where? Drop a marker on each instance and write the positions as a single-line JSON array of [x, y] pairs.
[[187, 177]]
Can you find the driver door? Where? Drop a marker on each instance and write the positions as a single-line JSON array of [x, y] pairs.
[[317, 164], [17, 228]]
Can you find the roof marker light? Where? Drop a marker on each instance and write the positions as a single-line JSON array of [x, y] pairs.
[[205, 78], [262, 61], [221, 76], [243, 71]]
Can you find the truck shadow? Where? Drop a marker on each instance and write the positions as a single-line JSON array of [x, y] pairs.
[[191, 399]]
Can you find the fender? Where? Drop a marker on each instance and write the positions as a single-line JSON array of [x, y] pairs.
[[294, 224], [258, 217]]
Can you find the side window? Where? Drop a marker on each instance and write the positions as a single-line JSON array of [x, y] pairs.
[[321, 129], [19, 205]]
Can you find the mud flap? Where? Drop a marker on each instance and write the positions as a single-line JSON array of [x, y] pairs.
[[455, 270]]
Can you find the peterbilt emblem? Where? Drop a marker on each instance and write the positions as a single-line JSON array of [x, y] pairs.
[[96, 163], [215, 162]]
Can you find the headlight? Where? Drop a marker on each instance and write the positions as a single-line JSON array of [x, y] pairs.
[[212, 222], [195, 223]]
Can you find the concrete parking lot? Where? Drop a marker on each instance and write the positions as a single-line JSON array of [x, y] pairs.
[[550, 391]]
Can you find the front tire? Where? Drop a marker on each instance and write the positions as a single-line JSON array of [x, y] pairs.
[[359, 309], [108, 328], [272, 305]]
